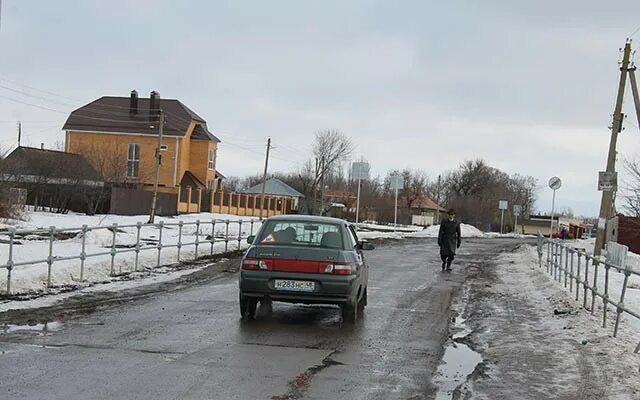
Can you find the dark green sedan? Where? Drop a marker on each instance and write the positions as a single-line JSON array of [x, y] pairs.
[[308, 260]]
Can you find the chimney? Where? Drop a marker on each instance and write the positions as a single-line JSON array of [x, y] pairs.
[[154, 104], [41, 146], [133, 102]]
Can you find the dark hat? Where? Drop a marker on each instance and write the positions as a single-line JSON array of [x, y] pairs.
[[451, 211]]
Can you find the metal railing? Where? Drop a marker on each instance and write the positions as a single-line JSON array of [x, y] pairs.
[[55, 236], [579, 270]]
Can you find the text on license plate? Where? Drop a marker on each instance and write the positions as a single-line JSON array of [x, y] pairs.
[[303, 286]]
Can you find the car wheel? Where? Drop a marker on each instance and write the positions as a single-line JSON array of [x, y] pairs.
[[349, 313], [363, 301], [248, 307]]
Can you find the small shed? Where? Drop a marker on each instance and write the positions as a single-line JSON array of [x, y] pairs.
[[275, 187]]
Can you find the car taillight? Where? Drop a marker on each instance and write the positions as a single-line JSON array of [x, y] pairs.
[[253, 264], [338, 269]]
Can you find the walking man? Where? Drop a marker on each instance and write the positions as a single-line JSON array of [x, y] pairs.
[[449, 239]]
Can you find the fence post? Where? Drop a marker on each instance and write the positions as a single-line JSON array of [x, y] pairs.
[[226, 237], [197, 237], [12, 233], [571, 274], [83, 254], [548, 255], [114, 229], [620, 305], [160, 225], [239, 234], [138, 228], [566, 266], [578, 275], [605, 297], [594, 288], [585, 284], [558, 265], [213, 236], [52, 230], [179, 238]]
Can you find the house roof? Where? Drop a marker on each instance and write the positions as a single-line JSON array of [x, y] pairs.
[[426, 203], [274, 187], [340, 194], [30, 161], [189, 179], [112, 114]]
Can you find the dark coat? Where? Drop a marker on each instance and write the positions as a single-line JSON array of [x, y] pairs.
[[449, 237]]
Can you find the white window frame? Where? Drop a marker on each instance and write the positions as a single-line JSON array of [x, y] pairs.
[[211, 164], [133, 162]]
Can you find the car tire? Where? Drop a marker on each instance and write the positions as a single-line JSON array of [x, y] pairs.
[[248, 307], [363, 301], [349, 313]]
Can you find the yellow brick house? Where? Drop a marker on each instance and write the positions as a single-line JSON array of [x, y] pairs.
[[119, 136]]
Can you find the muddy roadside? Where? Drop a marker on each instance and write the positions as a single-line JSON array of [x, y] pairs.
[[80, 302], [535, 342]]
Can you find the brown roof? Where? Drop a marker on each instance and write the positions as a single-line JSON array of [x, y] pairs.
[[190, 179], [427, 203], [30, 161], [112, 114], [342, 194]]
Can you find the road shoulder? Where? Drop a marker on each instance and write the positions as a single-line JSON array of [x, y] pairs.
[[528, 351]]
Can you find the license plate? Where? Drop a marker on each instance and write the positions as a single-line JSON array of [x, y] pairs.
[[300, 286]]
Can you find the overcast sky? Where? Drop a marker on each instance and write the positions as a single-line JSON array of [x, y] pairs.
[[528, 86]]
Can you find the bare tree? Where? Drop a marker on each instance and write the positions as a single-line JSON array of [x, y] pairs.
[[631, 187], [330, 148]]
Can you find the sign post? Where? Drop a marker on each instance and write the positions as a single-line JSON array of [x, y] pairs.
[[397, 183], [554, 183], [607, 181], [517, 211], [359, 171], [502, 205]]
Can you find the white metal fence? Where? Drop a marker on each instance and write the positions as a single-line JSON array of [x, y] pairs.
[[121, 245], [591, 278]]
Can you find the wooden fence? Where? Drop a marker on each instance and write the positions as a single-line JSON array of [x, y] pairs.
[[197, 200]]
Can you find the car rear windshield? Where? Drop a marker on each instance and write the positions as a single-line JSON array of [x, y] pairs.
[[302, 233]]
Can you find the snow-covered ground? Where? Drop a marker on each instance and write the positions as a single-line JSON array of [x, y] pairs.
[[537, 342], [34, 245], [467, 231]]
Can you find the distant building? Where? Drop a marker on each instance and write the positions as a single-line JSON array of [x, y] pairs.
[[426, 212], [276, 188], [542, 224], [119, 136]]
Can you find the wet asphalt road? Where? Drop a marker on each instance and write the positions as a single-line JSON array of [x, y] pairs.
[[191, 343]]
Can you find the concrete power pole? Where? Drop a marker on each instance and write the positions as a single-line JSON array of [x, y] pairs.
[[606, 205], [264, 177], [154, 202]]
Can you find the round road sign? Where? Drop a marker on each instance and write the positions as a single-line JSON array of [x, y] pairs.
[[555, 183]]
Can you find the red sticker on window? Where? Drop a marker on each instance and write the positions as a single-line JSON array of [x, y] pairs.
[[269, 239]]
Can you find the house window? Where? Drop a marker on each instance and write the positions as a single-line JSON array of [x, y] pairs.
[[133, 160], [212, 160]]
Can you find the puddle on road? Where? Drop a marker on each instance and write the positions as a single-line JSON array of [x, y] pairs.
[[54, 326], [459, 360], [457, 363]]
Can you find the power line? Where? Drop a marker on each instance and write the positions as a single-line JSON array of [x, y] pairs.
[[32, 105], [634, 32]]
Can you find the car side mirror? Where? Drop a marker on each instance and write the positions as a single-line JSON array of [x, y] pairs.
[[367, 246], [251, 239]]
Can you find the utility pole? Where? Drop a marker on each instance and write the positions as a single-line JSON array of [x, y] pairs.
[[264, 177], [154, 202], [606, 205], [19, 133]]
